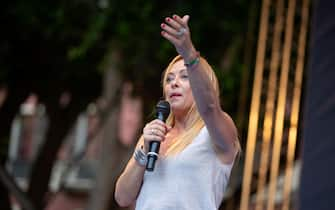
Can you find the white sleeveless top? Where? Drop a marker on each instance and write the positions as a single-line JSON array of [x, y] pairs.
[[195, 179]]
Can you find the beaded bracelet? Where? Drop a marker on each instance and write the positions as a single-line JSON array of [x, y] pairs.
[[140, 157], [193, 62]]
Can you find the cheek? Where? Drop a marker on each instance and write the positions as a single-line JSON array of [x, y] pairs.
[[189, 91], [189, 96], [165, 92]]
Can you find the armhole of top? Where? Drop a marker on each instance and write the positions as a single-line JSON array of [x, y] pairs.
[[215, 153]]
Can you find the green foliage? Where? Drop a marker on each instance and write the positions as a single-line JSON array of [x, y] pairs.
[[214, 26], [73, 37], [90, 37]]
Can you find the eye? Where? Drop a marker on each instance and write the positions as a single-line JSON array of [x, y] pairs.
[[184, 76], [169, 79]]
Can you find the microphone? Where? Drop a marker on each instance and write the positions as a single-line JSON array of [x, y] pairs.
[[162, 112]]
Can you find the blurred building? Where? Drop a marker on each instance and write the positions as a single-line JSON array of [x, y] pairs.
[[27, 134], [74, 172]]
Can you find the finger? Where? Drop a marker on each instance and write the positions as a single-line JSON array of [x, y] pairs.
[[153, 134], [155, 129], [186, 18], [159, 122], [169, 37], [149, 138], [169, 30], [179, 20], [144, 131], [159, 129], [173, 23], [159, 133]]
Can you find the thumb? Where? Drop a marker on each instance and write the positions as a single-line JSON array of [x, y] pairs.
[[168, 128], [186, 18]]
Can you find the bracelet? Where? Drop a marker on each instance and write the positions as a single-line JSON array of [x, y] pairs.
[[193, 62], [140, 157]]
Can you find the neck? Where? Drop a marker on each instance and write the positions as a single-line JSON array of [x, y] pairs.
[[180, 122]]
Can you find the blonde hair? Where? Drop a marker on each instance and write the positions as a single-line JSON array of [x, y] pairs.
[[194, 121]]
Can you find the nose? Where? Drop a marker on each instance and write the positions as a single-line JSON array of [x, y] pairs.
[[175, 82]]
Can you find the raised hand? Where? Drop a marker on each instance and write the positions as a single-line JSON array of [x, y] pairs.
[[176, 30]]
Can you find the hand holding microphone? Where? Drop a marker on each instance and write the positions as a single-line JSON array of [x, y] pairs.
[[154, 133]]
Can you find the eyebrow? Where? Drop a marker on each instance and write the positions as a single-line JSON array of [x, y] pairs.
[[180, 72]]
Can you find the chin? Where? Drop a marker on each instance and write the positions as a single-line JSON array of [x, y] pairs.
[[177, 108], [174, 106], [175, 103]]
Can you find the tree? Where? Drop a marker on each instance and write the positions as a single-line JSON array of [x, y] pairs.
[[54, 47]]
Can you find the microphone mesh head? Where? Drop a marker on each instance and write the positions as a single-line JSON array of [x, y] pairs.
[[163, 107]]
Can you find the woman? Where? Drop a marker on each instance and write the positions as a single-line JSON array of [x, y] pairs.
[[199, 141]]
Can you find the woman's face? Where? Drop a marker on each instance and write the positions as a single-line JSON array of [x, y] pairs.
[[177, 89]]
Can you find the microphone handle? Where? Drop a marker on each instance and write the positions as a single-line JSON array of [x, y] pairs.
[[152, 155], [154, 148]]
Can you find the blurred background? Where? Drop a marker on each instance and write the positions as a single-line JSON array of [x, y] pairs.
[[80, 78]]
